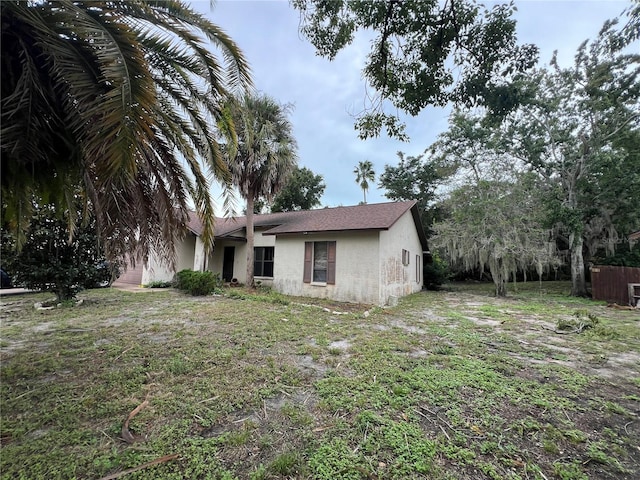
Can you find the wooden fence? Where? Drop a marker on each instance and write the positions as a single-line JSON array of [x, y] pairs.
[[612, 283]]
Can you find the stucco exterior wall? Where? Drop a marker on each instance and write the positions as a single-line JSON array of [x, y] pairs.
[[240, 256], [356, 267], [199, 257], [395, 278], [159, 271]]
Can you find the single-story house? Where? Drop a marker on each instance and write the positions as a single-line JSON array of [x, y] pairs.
[[370, 253]]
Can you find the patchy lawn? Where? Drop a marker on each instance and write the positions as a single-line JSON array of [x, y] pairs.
[[447, 385]]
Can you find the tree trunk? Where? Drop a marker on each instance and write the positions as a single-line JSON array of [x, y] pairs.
[[498, 281], [250, 205], [578, 282]]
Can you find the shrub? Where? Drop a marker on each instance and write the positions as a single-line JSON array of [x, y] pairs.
[[51, 261], [436, 273], [158, 284], [198, 283], [624, 257]]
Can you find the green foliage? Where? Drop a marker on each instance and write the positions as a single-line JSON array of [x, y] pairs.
[[86, 100], [582, 320], [198, 283], [436, 273], [496, 225], [302, 191], [230, 380], [624, 257], [48, 261], [334, 460], [286, 464], [423, 53], [264, 295], [415, 179], [569, 471], [576, 132], [158, 284]]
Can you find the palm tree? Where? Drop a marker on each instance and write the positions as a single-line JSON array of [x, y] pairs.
[[263, 157], [117, 97], [364, 174]]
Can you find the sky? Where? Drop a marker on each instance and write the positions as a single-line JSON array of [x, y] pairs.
[[326, 94]]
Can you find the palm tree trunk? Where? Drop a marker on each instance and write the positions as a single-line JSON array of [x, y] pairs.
[[250, 205]]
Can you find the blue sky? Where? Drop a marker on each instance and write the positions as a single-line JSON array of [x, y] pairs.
[[326, 94]]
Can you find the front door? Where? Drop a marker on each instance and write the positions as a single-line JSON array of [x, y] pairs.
[[227, 263]]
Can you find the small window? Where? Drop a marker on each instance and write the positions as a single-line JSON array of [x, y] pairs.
[[263, 261], [418, 268], [320, 262], [405, 257]]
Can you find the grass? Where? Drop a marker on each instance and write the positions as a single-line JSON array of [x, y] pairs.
[[447, 385]]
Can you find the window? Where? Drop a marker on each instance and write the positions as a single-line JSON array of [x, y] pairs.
[[263, 261], [405, 257], [418, 268], [320, 262]]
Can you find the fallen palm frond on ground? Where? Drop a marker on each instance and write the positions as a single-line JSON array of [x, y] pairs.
[[451, 384], [127, 436]]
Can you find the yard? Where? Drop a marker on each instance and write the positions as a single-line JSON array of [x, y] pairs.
[[447, 385]]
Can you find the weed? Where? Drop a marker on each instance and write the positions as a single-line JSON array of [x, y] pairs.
[[614, 407], [235, 438], [286, 464], [335, 460], [550, 446], [158, 284], [569, 471], [575, 436], [597, 452]]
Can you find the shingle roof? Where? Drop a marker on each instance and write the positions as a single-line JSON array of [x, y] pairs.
[[375, 216]]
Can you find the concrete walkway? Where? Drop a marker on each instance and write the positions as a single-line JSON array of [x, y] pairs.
[[126, 287], [15, 291]]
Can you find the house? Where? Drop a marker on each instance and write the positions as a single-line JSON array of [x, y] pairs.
[[369, 253]]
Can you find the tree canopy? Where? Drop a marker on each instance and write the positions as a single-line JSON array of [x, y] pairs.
[[423, 52], [577, 136], [302, 191], [120, 98], [581, 137], [496, 225], [415, 178]]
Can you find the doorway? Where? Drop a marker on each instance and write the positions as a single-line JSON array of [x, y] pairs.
[[227, 263]]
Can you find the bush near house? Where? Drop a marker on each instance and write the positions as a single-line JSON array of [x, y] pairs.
[[198, 283], [51, 261]]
